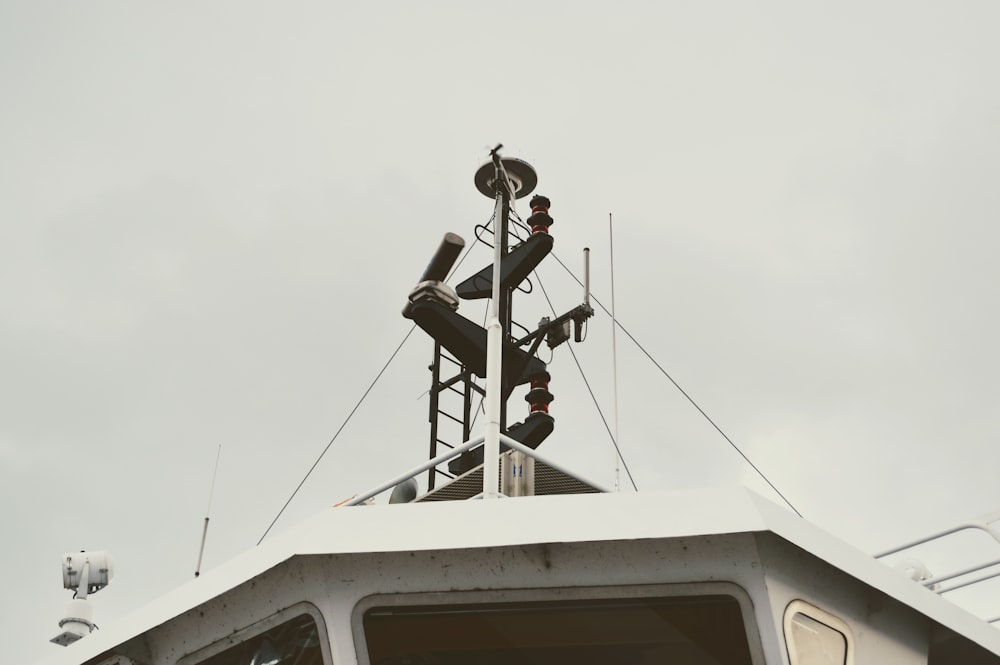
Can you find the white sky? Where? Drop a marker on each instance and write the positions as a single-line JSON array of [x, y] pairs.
[[211, 214]]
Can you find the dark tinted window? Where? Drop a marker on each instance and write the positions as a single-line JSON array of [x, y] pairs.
[[294, 642], [704, 630]]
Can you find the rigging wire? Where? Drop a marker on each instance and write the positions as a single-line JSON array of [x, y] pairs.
[[590, 390], [575, 360], [215, 474], [378, 376], [479, 409], [682, 391], [339, 430], [518, 225], [468, 250], [525, 286]]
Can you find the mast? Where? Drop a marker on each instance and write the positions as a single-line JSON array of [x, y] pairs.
[[495, 331], [492, 353]]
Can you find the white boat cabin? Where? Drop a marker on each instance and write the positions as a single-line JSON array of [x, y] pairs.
[[704, 577], [559, 573]]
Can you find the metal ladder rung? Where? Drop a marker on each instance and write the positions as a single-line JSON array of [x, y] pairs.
[[448, 415], [453, 361]]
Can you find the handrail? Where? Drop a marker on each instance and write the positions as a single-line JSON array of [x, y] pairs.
[[455, 452], [959, 573], [975, 580], [982, 523], [434, 461]]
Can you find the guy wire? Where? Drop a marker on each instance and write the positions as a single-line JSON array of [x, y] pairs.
[[683, 392]]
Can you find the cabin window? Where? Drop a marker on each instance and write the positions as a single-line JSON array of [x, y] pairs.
[[292, 642], [702, 630], [815, 637]]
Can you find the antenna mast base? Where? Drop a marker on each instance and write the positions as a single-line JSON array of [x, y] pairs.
[[520, 173]]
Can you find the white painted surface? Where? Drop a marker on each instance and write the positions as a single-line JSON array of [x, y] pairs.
[[380, 533]]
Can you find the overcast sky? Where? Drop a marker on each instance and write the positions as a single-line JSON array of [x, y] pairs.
[[211, 214]]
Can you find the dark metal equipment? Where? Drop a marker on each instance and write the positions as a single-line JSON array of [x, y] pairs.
[[460, 345]]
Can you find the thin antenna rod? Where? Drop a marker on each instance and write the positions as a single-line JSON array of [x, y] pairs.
[[586, 276], [208, 511], [614, 355]]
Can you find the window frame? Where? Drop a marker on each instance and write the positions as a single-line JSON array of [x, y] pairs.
[[262, 626], [818, 615], [583, 593]]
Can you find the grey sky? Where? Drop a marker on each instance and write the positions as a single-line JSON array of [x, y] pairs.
[[211, 213]]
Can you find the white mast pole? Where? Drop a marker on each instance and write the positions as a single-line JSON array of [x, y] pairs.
[[494, 346]]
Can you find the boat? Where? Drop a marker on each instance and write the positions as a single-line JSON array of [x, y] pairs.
[[509, 556]]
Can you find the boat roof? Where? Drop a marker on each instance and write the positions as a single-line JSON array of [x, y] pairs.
[[535, 520]]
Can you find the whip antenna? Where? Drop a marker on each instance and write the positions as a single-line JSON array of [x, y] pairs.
[[208, 510], [614, 354]]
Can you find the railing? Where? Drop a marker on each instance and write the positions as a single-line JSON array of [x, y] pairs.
[[455, 452], [935, 582]]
